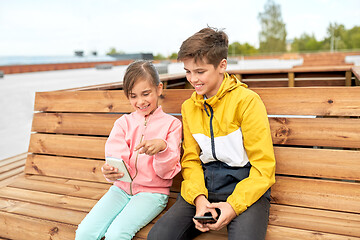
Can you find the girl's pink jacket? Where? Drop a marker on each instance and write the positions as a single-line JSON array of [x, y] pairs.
[[152, 173]]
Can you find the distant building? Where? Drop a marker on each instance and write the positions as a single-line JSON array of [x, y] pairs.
[[133, 56]]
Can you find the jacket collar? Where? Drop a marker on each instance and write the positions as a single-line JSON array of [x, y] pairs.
[[158, 112]]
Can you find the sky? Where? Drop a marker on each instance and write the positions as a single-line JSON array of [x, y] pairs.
[[59, 27]]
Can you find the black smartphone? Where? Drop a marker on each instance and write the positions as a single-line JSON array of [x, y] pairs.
[[205, 219]]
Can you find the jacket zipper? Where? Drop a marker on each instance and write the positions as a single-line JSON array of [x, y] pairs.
[[211, 130], [136, 159]]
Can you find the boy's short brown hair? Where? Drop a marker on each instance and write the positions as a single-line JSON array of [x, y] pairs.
[[209, 45]]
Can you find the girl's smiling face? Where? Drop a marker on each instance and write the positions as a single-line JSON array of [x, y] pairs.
[[144, 96]]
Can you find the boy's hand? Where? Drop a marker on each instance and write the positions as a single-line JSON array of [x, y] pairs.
[[111, 173], [226, 216], [151, 147], [201, 204]]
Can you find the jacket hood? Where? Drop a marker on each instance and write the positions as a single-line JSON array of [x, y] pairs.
[[229, 83]]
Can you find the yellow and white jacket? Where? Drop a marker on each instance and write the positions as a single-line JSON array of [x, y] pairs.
[[231, 127]]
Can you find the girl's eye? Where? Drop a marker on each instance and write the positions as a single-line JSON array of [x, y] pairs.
[[132, 96]]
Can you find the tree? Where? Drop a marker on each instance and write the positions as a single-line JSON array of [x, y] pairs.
[[306, 43], [273, 33], [173, 55], [114, 51], [237, 48]]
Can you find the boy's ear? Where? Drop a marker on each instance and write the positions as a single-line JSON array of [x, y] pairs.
[[223, 65]]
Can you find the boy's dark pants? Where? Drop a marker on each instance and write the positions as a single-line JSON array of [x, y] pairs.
[[220, 180], [177, 223]]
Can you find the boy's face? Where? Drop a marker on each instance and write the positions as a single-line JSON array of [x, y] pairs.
[[205, 78], [144, 96]]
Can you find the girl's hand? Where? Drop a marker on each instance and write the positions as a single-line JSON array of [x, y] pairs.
[[226, 216], [201, 204], [111, 173], [151, 147]]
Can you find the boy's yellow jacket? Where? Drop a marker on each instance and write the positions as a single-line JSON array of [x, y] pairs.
[[231, 127]]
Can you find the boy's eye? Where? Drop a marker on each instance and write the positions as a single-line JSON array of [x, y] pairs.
[[200, 72]]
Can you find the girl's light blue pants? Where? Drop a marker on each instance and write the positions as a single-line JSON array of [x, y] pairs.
[[118, 215]]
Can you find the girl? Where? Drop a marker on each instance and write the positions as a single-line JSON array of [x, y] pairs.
[[148, 141]]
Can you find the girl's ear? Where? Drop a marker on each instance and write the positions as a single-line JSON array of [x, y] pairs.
[[160, 89]]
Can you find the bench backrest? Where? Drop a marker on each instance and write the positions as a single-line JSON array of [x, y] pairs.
[[316, 135]]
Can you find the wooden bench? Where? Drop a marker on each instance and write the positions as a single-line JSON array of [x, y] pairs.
[[316, 135]]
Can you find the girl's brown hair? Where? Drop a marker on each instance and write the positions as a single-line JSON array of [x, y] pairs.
[[209, 44], [140, 69]]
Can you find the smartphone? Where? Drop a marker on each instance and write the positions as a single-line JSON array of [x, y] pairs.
[[120, 165], [205, 219]]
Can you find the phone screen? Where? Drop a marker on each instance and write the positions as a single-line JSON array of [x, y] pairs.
[[120, 165]]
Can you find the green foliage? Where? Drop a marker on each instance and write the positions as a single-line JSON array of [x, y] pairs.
[[159, 57], [173, 56], [114, 51], [241, 49], [305, 43], [273, 32], [338, 38]]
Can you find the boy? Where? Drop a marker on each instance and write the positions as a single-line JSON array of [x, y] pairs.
[[228, 163]]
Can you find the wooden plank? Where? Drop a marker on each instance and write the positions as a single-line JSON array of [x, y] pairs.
[[48, 199], [76, 168], [85, 183], [330, 132], [74, 123], [284, 233], [325, 101], [291, 77], [320, 163], [41, 211], [68, 145], [101, 101], [314, 193], [20, 227], [60, 188], [315, 220]]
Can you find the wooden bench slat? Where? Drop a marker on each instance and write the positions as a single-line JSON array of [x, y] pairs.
[[49, 199], [284, 233], [74, 123], [331, 132], [71, 181], [314, 101], [290, 161], [41, 211], [14, 226], [321, 163], [60, 188], [314, 193], [313, 219], [76, 168], [67, 145]]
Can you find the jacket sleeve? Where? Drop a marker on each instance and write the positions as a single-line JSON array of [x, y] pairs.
[[116, 145], [259, 148], [167, 163], [193, 184]]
